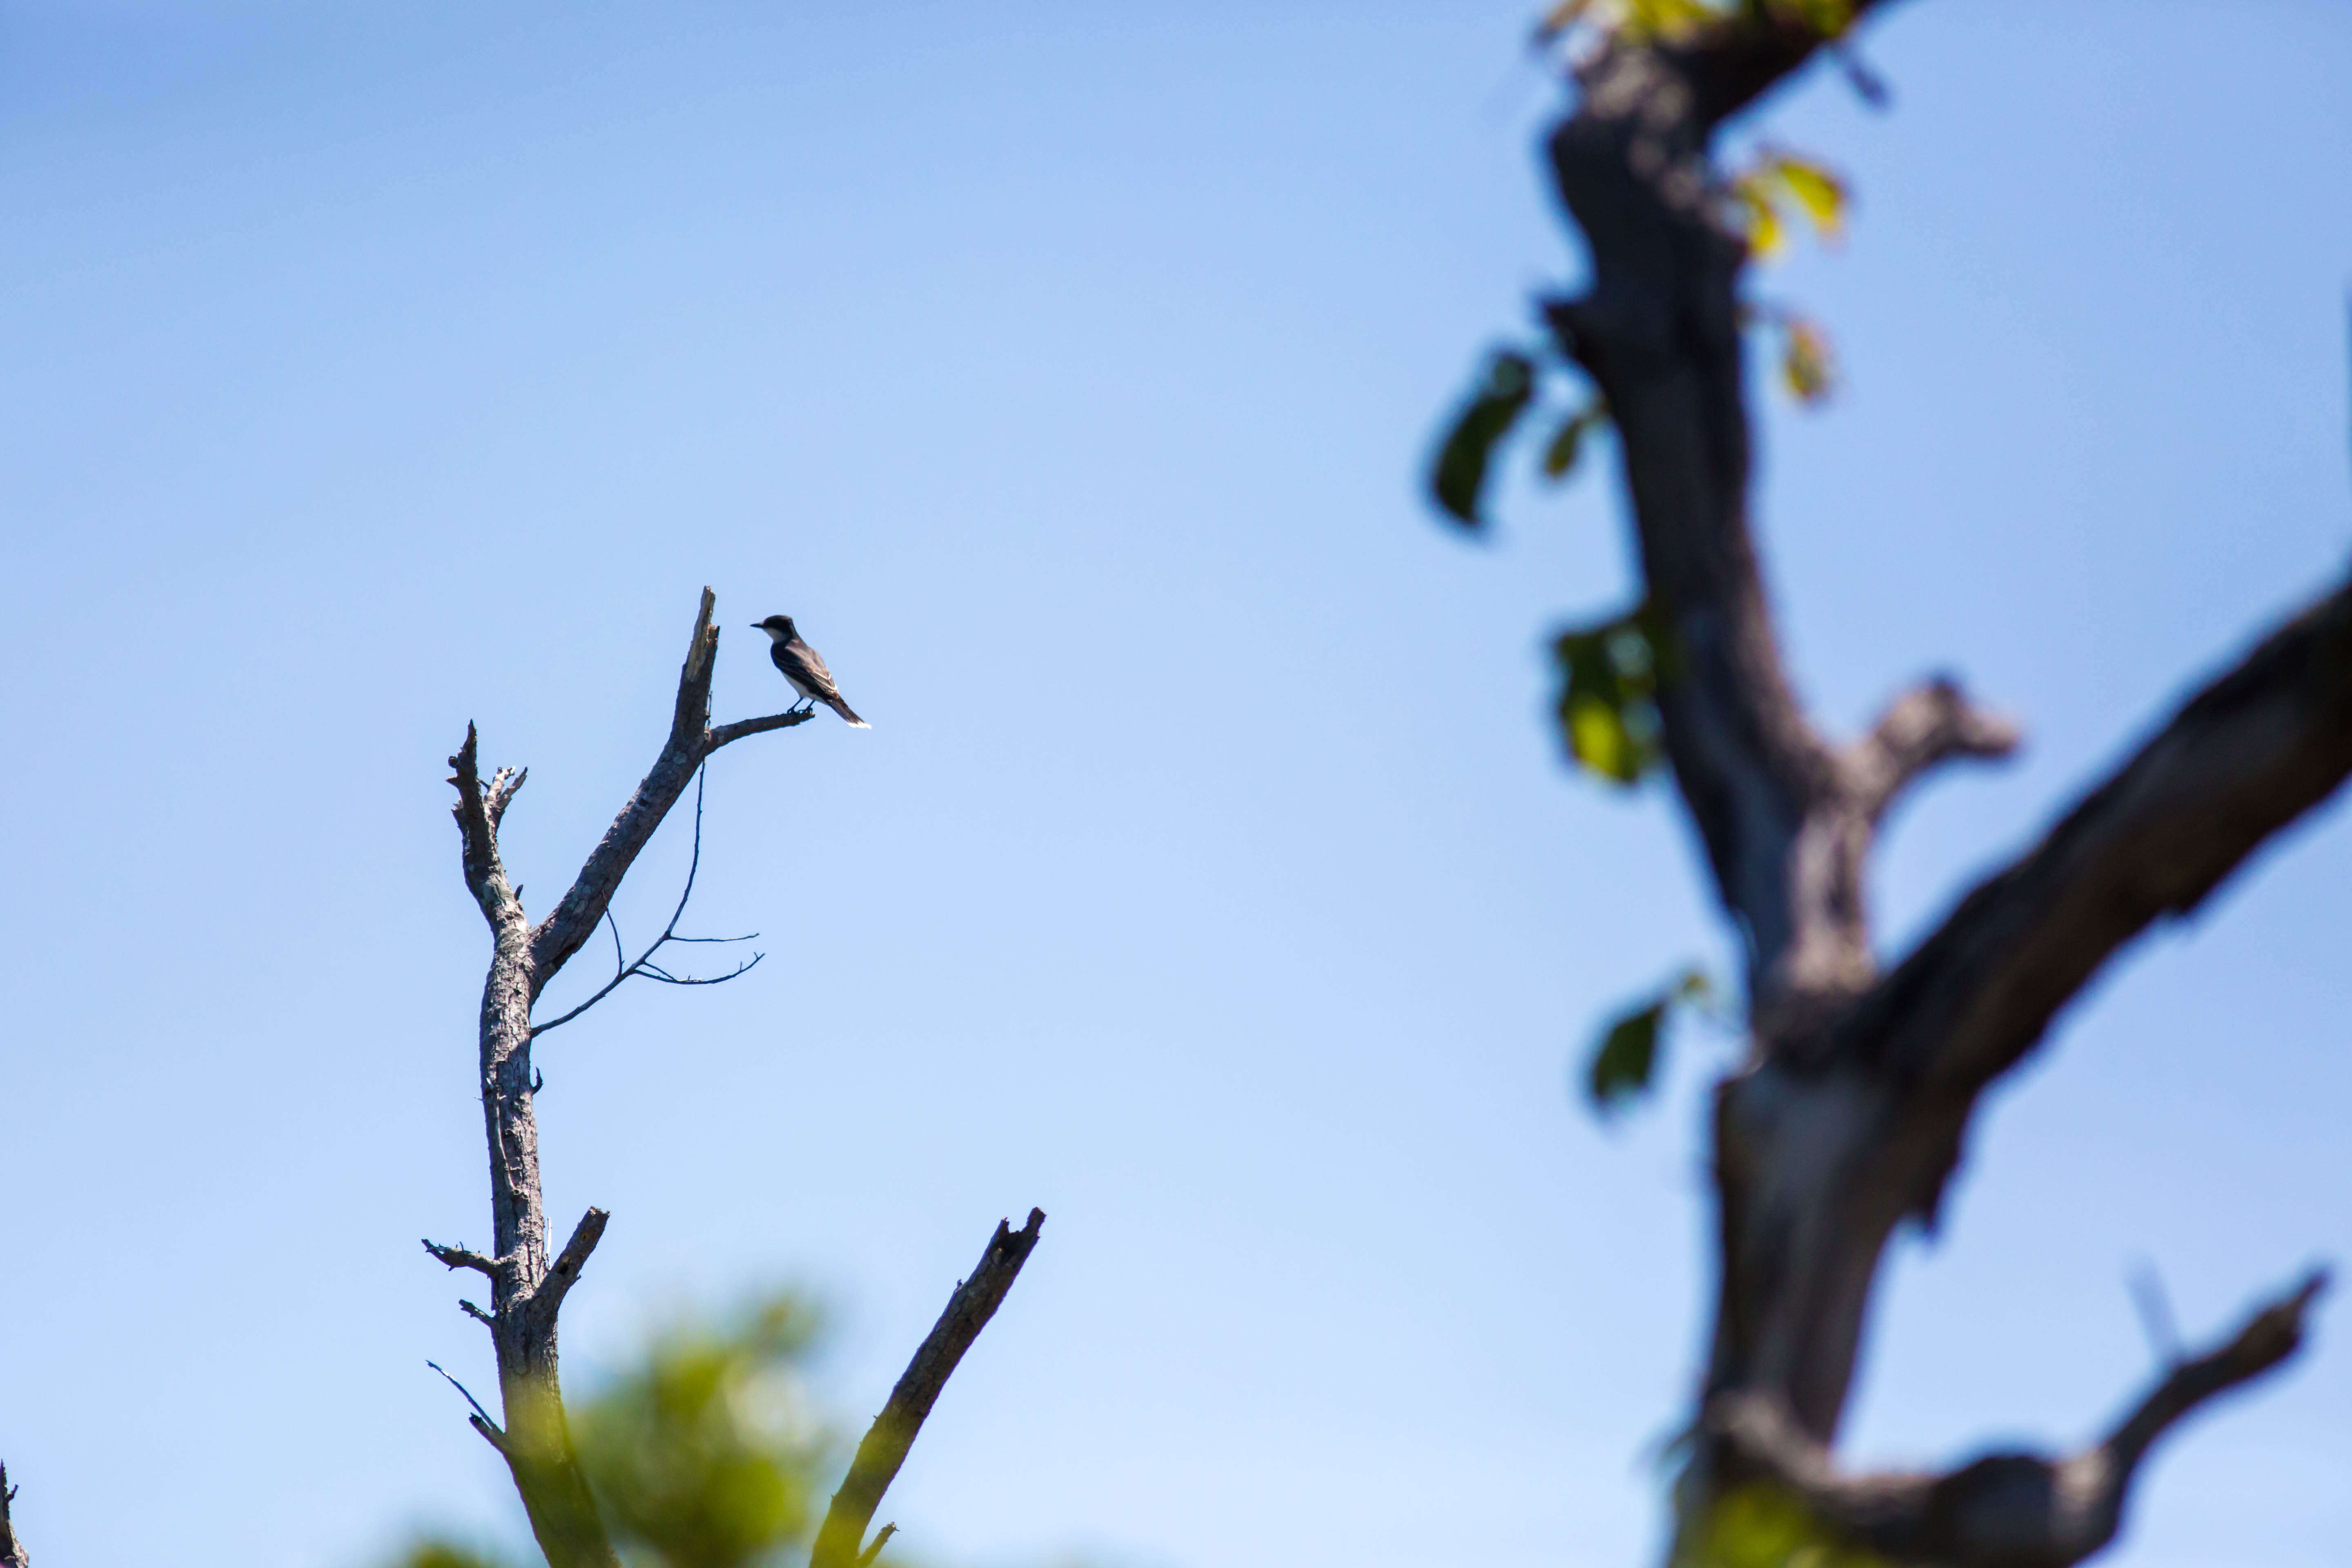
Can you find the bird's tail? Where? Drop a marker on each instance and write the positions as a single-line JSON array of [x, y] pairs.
[[838, 706]]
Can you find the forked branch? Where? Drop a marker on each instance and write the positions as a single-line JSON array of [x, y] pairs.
[[1927, 726], [840, 1540], [2007, 1510], [691, 740], [2250, 753]]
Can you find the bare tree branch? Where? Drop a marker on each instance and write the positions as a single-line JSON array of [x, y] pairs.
[[691, 740], [881, 1539], [12, 1550], [728, 734], [504, 785], [2005, 1510], [2243, 759], [886, 1442], [458, 1257], [565, 1271], [486, 875]]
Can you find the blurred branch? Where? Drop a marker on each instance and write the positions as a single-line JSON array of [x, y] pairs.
[[881, 1539], [2003, 1510], [886, 1442]]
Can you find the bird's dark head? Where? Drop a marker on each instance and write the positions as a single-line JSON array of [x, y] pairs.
[[777, 627]]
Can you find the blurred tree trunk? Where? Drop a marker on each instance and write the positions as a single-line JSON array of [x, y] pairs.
[[1849, 1113]]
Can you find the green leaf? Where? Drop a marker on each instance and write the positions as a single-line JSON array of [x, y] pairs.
[[1460, 475], [1568, 441], [1628, 1053]]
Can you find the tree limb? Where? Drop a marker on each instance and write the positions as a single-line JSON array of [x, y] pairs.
[[477, 813], [574, 918], [564, 1272], [458, 1257], [728, 734], [886, 1442], [2250, 753], [1849, 1113], [2004, 1510]]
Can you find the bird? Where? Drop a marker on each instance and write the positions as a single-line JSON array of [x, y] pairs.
[[804, 667]]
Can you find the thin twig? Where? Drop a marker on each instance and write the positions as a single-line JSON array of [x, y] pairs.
[[461, 1388], [645, 965], [2155, 1309]]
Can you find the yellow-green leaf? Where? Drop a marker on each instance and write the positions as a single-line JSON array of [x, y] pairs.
[[1805, 363], [1597, 736], [1766, 237], [1818, 191]]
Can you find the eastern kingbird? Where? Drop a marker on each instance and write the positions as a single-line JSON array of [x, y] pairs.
[[804, 668]]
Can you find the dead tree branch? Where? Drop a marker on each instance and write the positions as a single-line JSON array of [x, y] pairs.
[[1850, 1111], [2006, 1509], [458, 1257], [886, 1442], [527, 1286], [691, 740]]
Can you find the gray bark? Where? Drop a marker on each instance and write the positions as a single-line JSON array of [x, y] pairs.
[[1849, 1114]]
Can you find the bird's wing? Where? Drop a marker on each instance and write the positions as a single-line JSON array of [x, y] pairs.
[[802, 662]]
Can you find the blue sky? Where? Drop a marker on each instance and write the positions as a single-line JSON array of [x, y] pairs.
[[1208, 878]]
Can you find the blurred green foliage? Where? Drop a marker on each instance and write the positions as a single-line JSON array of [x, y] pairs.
[[1758, 1526], [705, 1453], [1608, 703]]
